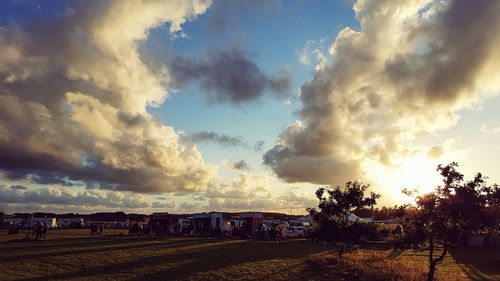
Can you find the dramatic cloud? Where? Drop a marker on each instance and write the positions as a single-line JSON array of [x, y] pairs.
[[62, 196], [406, 73], [74, 93], [221, 139], [229, 77]]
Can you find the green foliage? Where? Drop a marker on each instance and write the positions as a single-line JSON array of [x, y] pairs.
[[331, 220]]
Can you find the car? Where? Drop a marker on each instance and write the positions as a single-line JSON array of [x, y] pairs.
[[296, 232]]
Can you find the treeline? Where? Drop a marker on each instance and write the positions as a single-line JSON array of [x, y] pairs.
[[100, 216], [122, 216]]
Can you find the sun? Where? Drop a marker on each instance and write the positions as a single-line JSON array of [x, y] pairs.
[[415, 172]]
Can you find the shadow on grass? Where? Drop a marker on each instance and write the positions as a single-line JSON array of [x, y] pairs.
[[30, 244], [213, 255], [242, 253], [82, 248], [478, 263]]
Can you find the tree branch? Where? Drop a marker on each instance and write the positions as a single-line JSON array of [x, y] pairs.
[[440, 259]]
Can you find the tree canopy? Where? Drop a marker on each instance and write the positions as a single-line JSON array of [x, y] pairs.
[[332, 219], [444, 216]]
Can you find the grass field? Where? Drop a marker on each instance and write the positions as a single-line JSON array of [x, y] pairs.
[[74, 255]]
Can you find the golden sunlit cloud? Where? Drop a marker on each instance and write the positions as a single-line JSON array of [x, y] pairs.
[[405, 74]]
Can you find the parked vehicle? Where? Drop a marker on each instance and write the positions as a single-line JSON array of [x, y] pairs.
[[70, 223], [296, 232]]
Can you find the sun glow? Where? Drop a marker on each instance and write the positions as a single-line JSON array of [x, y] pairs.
[[416, 172]]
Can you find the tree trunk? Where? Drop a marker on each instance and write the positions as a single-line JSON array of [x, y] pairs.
[[340, 251], [432, 270], [432, 265], [433, 262]]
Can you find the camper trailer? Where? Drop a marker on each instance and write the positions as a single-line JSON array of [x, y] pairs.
[[70, 223], [205, 224], [252, 222], [163, 223]]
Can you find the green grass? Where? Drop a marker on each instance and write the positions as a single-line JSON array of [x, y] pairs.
[[75, 255]]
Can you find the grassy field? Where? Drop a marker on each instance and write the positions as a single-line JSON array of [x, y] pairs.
[[75, 255]]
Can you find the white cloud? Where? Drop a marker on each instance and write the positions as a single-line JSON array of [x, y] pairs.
[[406, 73], [313, 52], [253, 192], [74, 93], [489, 132], [66, 197]]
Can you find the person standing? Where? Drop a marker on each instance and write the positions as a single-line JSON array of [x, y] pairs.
[[44, 230], [37, 229]]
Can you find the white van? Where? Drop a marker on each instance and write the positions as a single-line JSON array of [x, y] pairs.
[[296, 231]]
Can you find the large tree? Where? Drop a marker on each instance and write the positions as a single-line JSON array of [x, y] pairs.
[[446, 215], [332, 219]]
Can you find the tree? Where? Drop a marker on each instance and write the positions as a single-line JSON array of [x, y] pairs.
[[446, 215], [332, 219], [383, 213]]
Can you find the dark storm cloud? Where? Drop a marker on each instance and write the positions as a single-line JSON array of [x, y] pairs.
[[229, 76]]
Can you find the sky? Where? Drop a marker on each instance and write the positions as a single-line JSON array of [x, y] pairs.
[[187, 106]]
